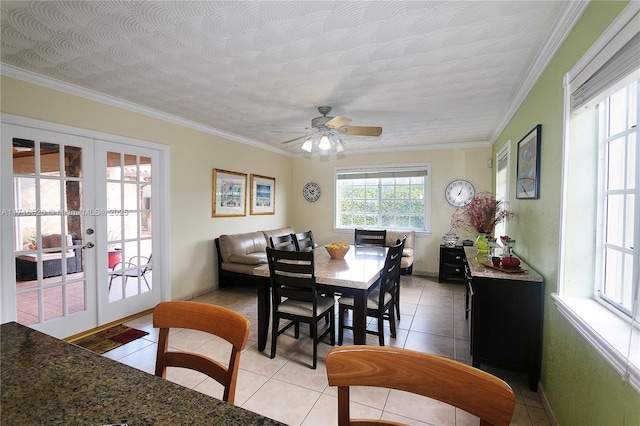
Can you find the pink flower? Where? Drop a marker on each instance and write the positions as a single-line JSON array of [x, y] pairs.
[[481, 215]]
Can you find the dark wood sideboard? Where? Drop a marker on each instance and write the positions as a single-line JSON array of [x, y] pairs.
[[506, 317]]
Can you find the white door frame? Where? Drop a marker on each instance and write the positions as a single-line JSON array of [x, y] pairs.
[[161, 268]]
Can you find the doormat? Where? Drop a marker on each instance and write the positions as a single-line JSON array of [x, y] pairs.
[[111, 338]]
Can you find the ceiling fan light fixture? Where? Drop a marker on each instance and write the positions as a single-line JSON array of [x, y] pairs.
[[325, 143], [339, 146], [307, 145]]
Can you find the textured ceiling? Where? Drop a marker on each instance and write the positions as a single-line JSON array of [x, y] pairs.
[[430, 73]]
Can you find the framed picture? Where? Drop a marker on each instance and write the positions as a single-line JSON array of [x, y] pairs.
[[229, 193], [263, 194], [528, 176]]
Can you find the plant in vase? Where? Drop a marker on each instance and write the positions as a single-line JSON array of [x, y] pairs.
[[480, 217]]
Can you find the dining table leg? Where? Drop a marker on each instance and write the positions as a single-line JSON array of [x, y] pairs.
[[359, 317]]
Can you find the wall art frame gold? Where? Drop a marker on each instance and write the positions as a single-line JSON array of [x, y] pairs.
[[263, 195], [229, 193]]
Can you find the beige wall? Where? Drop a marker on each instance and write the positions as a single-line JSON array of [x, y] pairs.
[[446, 165], [193, 156]]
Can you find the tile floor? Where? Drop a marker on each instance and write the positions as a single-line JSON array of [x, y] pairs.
[[286, 389]]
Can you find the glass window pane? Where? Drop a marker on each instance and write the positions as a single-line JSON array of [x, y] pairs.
[[130, 196], [73, 161], [50, 195], [52, 302], [24, 159], [114, 196], [27, 304], [50, 159], [631, 161], [617, 112], [616, 161], [76, 297], [615, 220]]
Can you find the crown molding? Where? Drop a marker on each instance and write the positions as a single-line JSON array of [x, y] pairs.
[[569, 16], [51, 83]]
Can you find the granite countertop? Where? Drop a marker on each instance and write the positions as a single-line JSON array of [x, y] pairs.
[[478, 270], [48, 381]]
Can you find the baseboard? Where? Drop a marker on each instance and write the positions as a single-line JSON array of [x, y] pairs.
[[546, 406]]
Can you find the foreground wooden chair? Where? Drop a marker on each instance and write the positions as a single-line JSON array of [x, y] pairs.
[[222, 322], [452, 382]]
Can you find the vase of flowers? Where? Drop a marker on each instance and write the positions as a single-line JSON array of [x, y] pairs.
[[480, 217]]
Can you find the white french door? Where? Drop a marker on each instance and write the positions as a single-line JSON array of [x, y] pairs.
[[126, 189], [78, 230]]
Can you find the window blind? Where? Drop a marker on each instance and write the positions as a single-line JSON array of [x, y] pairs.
[[612, 70]]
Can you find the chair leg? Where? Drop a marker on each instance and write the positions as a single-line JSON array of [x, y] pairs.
[[274, 334], [314, 338], [146, 282], [341, 312], [392, 322], [381, 329], [397, 300], [332, 325]]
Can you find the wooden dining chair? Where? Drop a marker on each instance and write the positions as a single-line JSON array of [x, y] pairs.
[[452, 382], [293, 288], [381, 301], [213, 319], [396, 292], [304, 241], [283, 242], [369, 237]]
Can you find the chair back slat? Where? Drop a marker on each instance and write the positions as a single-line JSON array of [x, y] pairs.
[[304, 241], [370, 237], [446, 380], [283, 242]]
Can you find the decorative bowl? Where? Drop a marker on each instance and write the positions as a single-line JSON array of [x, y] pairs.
[[495, 260], [510, 262], [337, 252]]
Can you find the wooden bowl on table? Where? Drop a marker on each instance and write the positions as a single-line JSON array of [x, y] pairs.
[[337, 251]]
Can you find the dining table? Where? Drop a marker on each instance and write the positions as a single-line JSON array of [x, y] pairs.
[[47, 381], [354, 275]]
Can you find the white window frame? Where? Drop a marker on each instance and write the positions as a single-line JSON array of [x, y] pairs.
[[378, 169], [612, 334]]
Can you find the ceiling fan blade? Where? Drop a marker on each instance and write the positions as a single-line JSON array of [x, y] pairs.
[[338, 121], [360, 130], [296, 138]]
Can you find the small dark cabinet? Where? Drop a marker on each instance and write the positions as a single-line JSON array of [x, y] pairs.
[[452, 262]]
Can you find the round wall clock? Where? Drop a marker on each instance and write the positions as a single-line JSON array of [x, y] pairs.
[[459, 193], [311, 192]]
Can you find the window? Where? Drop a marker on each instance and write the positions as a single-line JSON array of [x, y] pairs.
[[599, 268], [389, 197], [618, 175], [502, 185]]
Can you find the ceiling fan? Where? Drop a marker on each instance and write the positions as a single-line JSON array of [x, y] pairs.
[[327, 131]]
